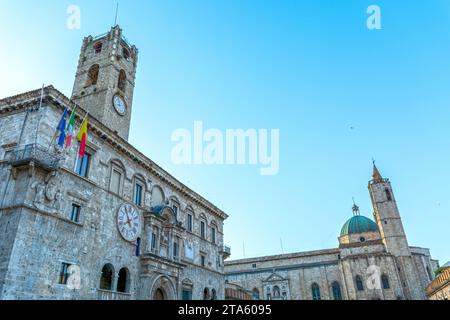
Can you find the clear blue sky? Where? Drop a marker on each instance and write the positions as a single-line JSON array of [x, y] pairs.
[[309, 68]]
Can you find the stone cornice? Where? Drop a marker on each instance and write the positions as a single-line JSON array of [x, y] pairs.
[[29, 99], [285, 267], [283, 257]]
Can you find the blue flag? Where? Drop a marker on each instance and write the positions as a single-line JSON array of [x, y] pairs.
[[62, 128]]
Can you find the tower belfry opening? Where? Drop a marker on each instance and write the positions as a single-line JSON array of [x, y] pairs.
[[105, 79]]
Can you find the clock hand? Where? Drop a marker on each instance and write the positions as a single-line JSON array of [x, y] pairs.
[[129, 222]]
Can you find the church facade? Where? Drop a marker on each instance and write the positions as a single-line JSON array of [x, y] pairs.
[[373, 261], [109, 225]]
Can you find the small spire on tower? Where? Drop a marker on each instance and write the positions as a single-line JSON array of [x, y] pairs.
[[376, 176]]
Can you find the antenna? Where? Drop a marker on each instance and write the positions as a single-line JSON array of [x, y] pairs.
[[243, 248], [117, 12], [281, 244]]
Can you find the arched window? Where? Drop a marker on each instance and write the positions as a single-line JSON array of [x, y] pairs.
[[123, 281], [385, 281], [276, 292], [92, 76], [98, 47], [157, 196], [336, 287], [206, 294], [213, 294], [106, 279], [122, 80], [202, 226], [359, 283], [255, 294], [388, 194], [315, 289], [126, 54]]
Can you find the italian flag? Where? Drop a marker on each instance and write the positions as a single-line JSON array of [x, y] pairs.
[[82, 137], [69, 134]]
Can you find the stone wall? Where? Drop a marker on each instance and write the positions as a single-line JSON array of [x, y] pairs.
[[37, 235]]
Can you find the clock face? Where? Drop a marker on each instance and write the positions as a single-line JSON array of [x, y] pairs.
[[119, 104], [128, 222]]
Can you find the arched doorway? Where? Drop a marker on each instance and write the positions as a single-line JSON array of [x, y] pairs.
[[159, 294], [162, 289]]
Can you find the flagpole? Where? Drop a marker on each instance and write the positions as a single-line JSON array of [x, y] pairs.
[[87, 113], [53, 140], [85, 117], [37, 109]]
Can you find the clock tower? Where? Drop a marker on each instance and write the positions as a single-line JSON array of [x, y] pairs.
[[104, 82]]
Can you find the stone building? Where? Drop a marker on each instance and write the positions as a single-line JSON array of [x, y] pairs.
[[112, 225], [236, 292], [373, 261], [439, 288]]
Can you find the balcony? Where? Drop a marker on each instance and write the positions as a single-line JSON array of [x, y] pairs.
[[37, 154], [226, 252], [112, 295]]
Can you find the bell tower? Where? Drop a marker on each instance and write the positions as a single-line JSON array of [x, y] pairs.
[[387, 216], [104, 81]]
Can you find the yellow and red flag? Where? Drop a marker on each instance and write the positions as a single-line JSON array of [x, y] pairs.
[[82, 137]]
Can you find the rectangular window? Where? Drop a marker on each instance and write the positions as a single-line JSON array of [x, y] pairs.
[[75, 213], [64, 274], [153, 241], [203, 260], [213, 235], [82, 165], [116, 177], [175, 210], [175, 249], [202, 229], [189, 222], [138, 194]]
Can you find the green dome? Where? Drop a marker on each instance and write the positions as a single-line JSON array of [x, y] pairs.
[[358, 224]]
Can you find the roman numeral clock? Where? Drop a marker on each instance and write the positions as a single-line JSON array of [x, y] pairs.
[[129, 222]]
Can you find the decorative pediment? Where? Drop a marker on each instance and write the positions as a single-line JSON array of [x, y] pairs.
[[275, 277], [166, 213]]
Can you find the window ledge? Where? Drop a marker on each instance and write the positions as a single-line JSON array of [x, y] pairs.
[[112, 295], [80, 177]]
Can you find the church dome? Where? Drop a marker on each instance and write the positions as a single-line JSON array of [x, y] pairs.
[[358, 224]]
